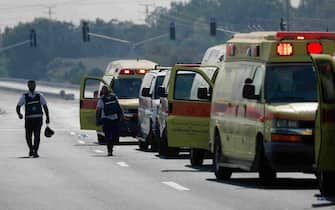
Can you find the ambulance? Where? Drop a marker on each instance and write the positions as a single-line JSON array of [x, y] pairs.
[[214, 56], [325, 124], [264, 103], [184, 110], [124, 77]]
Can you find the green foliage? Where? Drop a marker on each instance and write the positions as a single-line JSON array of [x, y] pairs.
[[56, 40]]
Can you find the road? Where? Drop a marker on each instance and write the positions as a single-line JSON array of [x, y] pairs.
[[74, 172]]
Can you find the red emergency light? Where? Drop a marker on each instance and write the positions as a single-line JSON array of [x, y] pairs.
[[314, 48], [127, 72], [305, 35], [285, 49]]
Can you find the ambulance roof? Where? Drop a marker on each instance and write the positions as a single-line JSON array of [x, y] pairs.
[[130, 64], [281, 46]]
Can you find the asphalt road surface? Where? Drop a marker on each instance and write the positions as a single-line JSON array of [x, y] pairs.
[[73, 172]]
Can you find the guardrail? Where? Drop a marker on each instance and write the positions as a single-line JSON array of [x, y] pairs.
[[59, 90]]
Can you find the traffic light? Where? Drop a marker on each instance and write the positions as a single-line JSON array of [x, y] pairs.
[[172, 31], [33, 38], [282, 24], [212, 27], [86, 31]]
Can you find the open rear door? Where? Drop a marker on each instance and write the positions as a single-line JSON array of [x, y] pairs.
[[325, 123], [188, 120], [89, 95]]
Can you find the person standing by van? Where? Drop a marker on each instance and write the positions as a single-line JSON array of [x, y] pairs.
[[33, 102], [108, 114]]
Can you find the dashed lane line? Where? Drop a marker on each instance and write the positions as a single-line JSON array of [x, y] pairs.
[[72, 133], [122, 164], [98, 151], [81, 142], [176, 186]]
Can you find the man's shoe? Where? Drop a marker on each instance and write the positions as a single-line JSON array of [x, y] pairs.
[[36, 155], [110, 153], [31, 153]]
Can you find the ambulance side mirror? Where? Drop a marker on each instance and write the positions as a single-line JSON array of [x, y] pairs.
[[146, 92], [249, 90], [203, 93], [162, 92]]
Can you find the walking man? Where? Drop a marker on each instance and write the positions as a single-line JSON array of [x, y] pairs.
[[33, 102], [108, 114]]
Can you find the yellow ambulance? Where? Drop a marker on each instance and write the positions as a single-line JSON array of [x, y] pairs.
[[325, 124], [124, 77], [264, 103]]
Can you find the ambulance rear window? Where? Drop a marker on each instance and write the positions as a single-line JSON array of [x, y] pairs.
[[127, 88], [290, 83]]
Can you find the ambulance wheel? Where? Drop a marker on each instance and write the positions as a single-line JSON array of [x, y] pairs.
[[101, 139], [327, 183], [197, 157], [164, 149], [221, 173], [267, 174], [143, 145]]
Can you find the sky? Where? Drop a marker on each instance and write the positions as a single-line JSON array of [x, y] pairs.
[[14, 11]]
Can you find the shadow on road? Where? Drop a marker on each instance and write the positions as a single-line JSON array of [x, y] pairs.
[[280, 184], [24, 157], [177, 157], [194, 169], [327, 202]]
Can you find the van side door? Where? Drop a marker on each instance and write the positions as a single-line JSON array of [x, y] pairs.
[[325, 117], [188, 119], [89, 95]]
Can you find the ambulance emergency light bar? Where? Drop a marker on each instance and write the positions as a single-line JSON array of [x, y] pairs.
[[132, 71], [305, 35]]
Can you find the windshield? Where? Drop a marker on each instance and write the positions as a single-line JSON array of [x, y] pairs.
[[127, 88], [290, 83]]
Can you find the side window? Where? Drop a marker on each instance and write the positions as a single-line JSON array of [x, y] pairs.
[[327, 78], [187, 84], [91, 88], [257, 80], [157, 84], [243, 72], [147, 81]]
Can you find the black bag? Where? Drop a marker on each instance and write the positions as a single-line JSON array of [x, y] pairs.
[[48, 132]]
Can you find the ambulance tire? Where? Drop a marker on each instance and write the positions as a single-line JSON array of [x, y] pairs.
[[221, 173], [154, 143], [327, 183], [197, 157], [164, 149], [143, 145], [101, 139], [267, 175]]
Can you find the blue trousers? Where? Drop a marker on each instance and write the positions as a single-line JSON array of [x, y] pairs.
[[111, 131]]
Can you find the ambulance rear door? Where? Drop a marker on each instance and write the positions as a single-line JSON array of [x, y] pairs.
[[189, 108], [325, 117], [89, 95]]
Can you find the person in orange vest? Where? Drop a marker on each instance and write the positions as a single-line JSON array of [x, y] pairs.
[[33, 103]]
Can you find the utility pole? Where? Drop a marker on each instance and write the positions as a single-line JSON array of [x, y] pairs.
[[50, 12], [147, 8], [288, 15]]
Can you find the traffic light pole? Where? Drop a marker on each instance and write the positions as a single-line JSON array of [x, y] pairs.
[[150, 39], [109, 38]]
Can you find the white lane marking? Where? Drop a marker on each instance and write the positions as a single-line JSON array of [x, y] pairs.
[[98, 151], [122, 164], [81, 142], [72, 133], [176, 186]]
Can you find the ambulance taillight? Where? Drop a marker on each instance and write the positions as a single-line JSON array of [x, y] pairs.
[[314, 48], [285, 49]]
